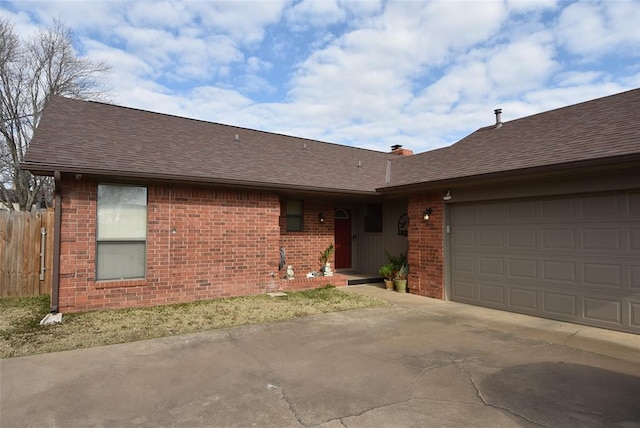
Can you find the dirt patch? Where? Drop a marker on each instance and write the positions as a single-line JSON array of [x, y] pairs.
[[21, 335]]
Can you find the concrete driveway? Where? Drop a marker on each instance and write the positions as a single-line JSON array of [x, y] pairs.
[[415, 362]]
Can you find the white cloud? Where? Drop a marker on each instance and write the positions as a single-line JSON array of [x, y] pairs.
[[463, 82], [244, 21], [592, 29], [455, 26], [127, 64], [520, 66], [251, 83], [255, 64], [545, 99], [22, 25], [577, 78], [96, 17], [361, 9], [315, 13], [528, 6], [164, 14], [180, 57], [370, 73]]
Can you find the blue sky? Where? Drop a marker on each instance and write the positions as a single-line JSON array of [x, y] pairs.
[[364, 73]]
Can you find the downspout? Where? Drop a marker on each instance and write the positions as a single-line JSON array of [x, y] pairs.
[[55, 287]]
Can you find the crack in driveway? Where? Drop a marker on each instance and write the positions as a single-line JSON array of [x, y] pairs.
[[495, 406], [574, 334], [271, 385]]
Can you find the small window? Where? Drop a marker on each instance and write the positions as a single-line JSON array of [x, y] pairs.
[[121, 232], [373, 218], [294, 216]]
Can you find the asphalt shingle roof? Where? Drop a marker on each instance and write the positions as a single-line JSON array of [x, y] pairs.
[[603, 128], [76, 136], [108, 140]]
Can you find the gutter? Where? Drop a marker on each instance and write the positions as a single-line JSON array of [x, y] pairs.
[[130, 176], [55, 317], [55, 287], [567, 168]]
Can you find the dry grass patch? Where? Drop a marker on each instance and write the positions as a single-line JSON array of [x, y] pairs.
[[21, 335]]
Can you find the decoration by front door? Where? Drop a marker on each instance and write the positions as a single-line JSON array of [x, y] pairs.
[[403, 225]]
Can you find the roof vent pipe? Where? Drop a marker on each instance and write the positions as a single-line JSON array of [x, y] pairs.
[[498, 113]]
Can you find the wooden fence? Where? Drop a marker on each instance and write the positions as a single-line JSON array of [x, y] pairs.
[[26, 253]]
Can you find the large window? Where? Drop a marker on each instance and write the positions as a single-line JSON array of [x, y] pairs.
[[294, 216], [121, 232]]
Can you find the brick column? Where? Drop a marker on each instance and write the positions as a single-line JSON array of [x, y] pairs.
[[426, 245]]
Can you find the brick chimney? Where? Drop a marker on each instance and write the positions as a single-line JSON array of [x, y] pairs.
[[398, 150]]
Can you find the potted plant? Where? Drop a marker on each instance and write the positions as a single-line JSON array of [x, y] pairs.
[[396, 261], [325, 256], [387, 270], [400, 280]]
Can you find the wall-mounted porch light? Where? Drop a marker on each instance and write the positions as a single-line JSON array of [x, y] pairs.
[[321, 217], [427, 214]]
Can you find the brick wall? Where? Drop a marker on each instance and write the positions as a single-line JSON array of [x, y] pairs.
[[426, 246], [202, 243], [303, 248]]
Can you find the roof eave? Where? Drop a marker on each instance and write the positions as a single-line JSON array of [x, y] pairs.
[[557, 169], [48, 170]]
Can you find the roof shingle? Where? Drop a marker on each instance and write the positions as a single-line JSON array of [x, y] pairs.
[[82, 136], [110, 140], [603, 128]]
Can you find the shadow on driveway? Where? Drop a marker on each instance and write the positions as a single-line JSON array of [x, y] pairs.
[[566, 394]]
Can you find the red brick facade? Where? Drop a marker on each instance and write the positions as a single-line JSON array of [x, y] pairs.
[[202, 243], [303, 248], [426, 246]]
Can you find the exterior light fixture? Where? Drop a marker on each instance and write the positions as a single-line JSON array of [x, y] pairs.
[[447, 195], [321, 217], [427, 214]]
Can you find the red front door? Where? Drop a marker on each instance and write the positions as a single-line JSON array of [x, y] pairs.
[[343, 241]]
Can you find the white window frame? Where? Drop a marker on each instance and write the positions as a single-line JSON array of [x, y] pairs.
[[121, 232]]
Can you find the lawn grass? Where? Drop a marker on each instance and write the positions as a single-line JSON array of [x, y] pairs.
[[21, 334]]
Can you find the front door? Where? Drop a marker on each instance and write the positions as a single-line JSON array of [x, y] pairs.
[[343, 238]]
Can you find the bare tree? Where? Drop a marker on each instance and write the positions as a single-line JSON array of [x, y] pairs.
[[30, 73]]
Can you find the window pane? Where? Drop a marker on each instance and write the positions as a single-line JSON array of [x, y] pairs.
[[295, 211], [294, 224], [373, 218], [121, 260], [122, 212], [294, 208]]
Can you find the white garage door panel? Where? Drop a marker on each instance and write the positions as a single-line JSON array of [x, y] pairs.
[[574, 258]]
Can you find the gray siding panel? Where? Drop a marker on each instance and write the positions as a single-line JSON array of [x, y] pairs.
[[574, 258]]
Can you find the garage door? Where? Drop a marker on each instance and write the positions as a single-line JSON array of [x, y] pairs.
[[573, 258]]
